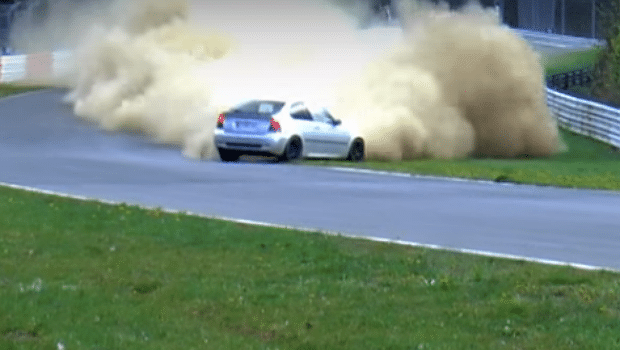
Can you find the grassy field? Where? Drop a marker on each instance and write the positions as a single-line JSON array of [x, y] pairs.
[[11, 89], [570, 61], [85, 275]]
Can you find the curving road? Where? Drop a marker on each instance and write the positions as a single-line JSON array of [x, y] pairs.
[[549, 43], [42, 145]]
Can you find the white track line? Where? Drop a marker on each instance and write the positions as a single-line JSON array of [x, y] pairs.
[[462, 179], [333, 233], [550, 44], [414, 176]]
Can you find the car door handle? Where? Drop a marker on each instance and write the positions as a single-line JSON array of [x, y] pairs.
[[317, 128]]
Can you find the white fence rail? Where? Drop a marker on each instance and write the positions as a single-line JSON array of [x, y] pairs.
[[12, 68], [585, 117]]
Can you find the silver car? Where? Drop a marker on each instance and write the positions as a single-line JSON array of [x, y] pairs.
[[287, 131]]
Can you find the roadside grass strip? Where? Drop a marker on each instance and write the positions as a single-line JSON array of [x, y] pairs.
[[8, 89], [566, 62], [90, 275]]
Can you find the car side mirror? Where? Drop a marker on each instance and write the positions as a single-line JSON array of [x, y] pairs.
[[337, 122]]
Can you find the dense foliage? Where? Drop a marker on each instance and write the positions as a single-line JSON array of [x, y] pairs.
[[607, 70]]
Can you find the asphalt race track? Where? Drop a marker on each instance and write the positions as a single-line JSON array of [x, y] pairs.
[[42, 145], [547, 43]]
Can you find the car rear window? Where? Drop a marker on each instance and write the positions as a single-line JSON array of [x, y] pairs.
[[260, 107]]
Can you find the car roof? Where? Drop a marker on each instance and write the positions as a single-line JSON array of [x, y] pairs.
[[290, 104]]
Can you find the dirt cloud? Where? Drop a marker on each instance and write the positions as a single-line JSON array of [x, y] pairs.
[[459, 84], [448, 85]]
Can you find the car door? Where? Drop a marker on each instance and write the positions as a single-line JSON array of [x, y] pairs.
[[305, 125], [331, 137]]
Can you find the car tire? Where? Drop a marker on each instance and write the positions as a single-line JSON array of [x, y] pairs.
[[356, 152], [292, 151], [228, 155]]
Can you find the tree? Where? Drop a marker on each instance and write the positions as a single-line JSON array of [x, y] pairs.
[[40, 11], [606, 84]]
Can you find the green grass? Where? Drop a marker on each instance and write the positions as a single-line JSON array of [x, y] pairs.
[[94, 276], [587, 164], [567, 62], [8, 89]]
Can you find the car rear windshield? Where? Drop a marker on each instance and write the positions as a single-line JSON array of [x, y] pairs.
[[259, 107]]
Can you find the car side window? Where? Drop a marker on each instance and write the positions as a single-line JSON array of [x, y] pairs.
[[301, 114], [324, 117]]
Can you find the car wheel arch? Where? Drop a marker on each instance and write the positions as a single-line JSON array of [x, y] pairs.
[[293, 138], [297, 138], [357, 142]]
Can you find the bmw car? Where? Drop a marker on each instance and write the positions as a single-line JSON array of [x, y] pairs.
[[288, 131]]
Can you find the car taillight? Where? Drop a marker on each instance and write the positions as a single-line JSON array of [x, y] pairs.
[[220, 121], [274, 125]]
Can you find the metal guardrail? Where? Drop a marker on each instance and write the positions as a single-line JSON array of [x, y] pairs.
[[13, 68], [565, 81], [582, 115], [585, 117]]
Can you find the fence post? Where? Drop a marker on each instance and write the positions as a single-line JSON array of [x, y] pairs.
[[593, 19]]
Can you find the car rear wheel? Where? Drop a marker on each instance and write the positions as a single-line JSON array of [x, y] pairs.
[[356, 153], [292, 151], [228, 156]]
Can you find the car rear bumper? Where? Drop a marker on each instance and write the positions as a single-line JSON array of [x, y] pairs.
[[268, 144]]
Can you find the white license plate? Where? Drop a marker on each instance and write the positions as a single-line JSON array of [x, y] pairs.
[[245, 125]]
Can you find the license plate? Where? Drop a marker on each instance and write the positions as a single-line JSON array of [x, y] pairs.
[[245, 125]]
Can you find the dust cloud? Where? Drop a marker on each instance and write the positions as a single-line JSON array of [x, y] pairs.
[[459, 84], [445, 85]]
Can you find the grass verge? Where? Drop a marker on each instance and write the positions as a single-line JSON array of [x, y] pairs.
[[567, 62], [587, 164], [8, 89], [92, 276]]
